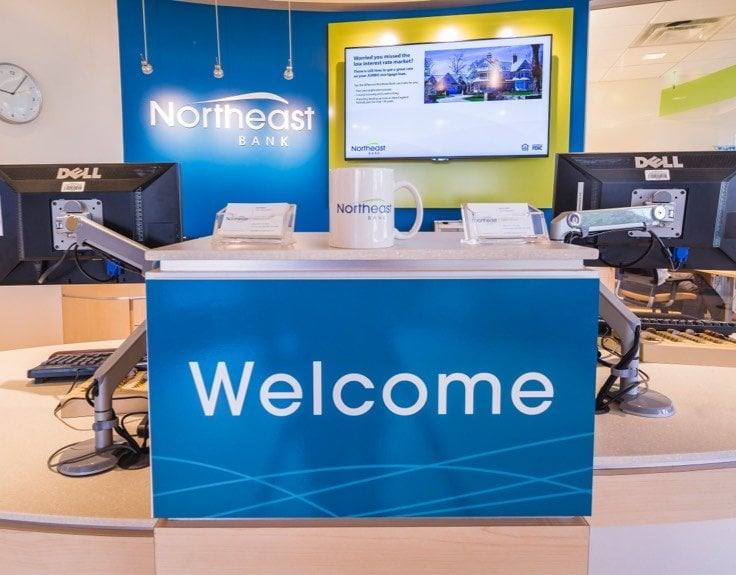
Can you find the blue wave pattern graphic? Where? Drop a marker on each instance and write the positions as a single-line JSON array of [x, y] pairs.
[[482, 484]]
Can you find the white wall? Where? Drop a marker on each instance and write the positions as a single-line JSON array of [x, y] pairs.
[[71, 47], [623, 116], [31, 316]]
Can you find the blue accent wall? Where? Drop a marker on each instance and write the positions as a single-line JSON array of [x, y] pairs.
[[217, 167]]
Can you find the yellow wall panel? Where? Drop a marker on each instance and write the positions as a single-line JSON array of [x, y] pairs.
[[448, 184]]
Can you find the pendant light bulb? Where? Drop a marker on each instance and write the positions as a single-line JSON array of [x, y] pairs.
[[146, 68], [218, 72]]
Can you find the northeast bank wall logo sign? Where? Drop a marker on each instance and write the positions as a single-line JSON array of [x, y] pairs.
[[255, 119]]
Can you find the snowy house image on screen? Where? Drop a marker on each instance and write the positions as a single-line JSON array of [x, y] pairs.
[[485, 73]]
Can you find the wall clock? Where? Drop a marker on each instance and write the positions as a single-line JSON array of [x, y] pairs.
[[20, 95]]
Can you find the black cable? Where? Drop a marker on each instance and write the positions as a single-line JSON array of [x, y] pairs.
[[593, 240], [110, 449], [666, 253], [44, 276], [142, 428], [85, 272], [137, 458], [90, 393], [104, 255], [603, 399], [132, 414], [631, 263]]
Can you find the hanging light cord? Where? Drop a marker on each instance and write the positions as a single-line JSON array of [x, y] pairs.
[[289, 72], [217, 30], [145, 32], [289, 8], [146, 67]]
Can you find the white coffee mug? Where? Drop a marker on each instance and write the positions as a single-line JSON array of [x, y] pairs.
[[362, 208]]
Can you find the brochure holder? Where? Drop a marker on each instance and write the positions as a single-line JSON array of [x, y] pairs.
[[239, 225], [484, 223]]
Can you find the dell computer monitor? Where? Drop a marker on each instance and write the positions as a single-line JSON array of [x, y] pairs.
[[701, 186], [140, 201]]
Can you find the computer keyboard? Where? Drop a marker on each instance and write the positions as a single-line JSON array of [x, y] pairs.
[[683, 324], [71, 365], [663, 322]]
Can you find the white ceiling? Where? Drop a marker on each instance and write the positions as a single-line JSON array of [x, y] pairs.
[[614, 31], [615, 26]]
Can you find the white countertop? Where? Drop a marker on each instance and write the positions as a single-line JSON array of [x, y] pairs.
[[703, 431], [427, 250], [29, 490]]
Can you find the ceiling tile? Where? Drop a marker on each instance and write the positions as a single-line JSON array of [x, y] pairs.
[[636, 72], [676, 10], [727, 32], [596, 74], [669, 54], [624, 15], [603, 58], [713, 51], [612, 39]]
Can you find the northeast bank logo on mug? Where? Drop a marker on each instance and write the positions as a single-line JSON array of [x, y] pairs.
[[271, 123], [372, 208]]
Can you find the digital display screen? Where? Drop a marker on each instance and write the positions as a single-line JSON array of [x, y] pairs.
[[465, 99]]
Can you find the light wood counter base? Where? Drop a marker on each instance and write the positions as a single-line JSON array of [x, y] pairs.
[[33, 548], [336, 547]]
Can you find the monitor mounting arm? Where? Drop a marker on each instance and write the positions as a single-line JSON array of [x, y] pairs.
[[98, 455], [582, 223], [87, 232]]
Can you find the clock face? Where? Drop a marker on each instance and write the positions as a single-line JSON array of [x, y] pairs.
[[20, 96]]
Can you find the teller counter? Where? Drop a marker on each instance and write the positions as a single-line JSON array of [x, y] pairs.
[[663, 499]]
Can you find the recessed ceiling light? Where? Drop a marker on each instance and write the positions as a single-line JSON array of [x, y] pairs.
[[388, 39], [448, 33], [506, 32], [655, 56]]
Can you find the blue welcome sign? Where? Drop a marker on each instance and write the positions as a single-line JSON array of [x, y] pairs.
[[371, 397]]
